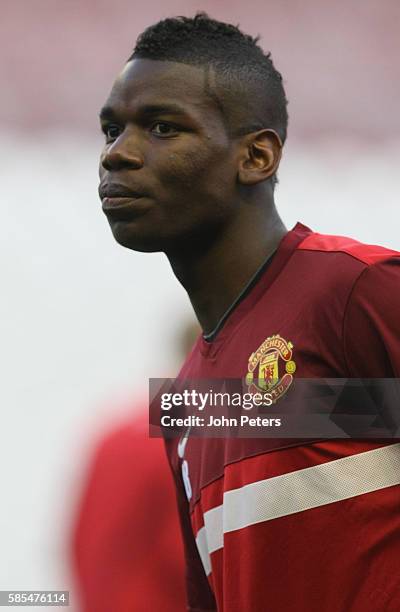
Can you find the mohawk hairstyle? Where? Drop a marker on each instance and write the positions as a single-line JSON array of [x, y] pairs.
[[249, 89]]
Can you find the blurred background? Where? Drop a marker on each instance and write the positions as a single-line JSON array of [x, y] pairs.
[[84, 322]]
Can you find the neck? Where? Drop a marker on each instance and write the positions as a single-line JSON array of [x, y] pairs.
[[215, 276]]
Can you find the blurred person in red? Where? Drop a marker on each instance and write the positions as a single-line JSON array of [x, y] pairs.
[[127, 549]]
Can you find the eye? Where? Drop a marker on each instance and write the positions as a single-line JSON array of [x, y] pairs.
[[163, 129], [111, 131]]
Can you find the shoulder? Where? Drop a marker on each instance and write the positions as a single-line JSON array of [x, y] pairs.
[[357, 287], [333, 270], [367, 254], [346, 266], [367, 277]]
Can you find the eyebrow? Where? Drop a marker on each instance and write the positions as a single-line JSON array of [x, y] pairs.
[[107, 112]]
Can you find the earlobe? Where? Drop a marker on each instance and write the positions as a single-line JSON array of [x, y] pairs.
[[261, 156]]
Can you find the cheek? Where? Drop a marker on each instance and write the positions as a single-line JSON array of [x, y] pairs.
[[195, 169]]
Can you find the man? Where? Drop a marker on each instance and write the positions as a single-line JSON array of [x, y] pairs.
[[194, 129]]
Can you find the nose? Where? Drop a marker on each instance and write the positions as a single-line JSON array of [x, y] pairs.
[[121, 154]]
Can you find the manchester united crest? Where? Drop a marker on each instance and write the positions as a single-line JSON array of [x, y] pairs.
[[265, 369]]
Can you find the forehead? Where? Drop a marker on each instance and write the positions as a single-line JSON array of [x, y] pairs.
[[146, 82]]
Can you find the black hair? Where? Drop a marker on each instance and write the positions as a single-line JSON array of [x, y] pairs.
[[251, 95]]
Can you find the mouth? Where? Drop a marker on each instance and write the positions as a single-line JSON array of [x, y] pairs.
[[116, 190], [124, 208], [118, 200]]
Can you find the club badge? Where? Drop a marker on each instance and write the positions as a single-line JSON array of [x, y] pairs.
[[265, 369]]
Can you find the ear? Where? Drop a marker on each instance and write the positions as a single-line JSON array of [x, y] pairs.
[[260, 156]]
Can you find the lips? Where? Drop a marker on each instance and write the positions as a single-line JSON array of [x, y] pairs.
[[120, 202], [116, 190]]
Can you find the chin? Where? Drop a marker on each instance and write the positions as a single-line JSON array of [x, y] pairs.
[[132, 239]]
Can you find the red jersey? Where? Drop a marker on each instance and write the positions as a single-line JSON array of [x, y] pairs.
[[283, 525]]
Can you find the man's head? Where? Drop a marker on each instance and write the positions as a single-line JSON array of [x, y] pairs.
[[194, 127]]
